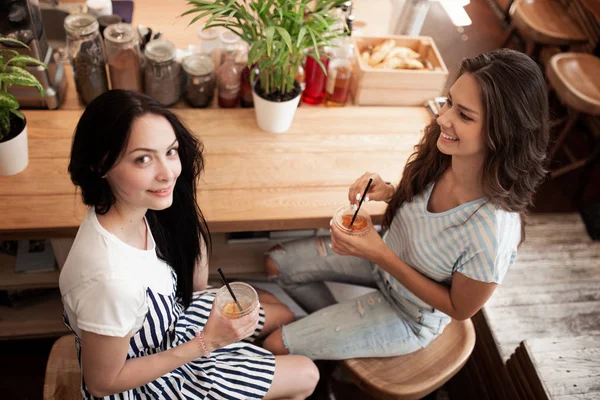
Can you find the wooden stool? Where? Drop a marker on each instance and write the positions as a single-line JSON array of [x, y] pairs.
[[63, 376], [575, 77], [542, 23], [415, 375]]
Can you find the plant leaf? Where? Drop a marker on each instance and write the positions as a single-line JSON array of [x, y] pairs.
[[21, 77], [4, 123], [270, 31], [17, 113], [301, 34], [285, 36], [9, 40], [26, 59], [7, 100]]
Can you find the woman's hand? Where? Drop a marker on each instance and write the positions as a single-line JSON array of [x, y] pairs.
[[369, 246], [221, 331], [379, 190]]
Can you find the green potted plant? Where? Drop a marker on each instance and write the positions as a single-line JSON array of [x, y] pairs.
[[14, 155], [280, 34]]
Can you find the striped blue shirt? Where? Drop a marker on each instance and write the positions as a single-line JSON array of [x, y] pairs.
[[476, 239]]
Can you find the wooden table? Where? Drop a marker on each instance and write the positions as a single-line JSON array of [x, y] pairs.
[[253, 180]]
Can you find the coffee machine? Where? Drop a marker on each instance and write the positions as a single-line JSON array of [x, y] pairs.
[[22, 20]]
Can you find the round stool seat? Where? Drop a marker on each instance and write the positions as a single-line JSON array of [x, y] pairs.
[[63, 376], [576, 79], [547, 22], [415, 375]]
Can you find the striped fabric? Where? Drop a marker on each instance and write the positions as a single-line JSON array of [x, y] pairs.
[[476, 239], [238, 371]]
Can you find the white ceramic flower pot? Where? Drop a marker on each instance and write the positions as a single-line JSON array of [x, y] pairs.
[[274, 117], [14, 155]]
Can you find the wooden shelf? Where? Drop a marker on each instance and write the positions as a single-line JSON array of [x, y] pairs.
[[43, 319], [10, 280]]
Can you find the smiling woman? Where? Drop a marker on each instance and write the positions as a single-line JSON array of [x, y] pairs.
[[134, 285], [452, 227]]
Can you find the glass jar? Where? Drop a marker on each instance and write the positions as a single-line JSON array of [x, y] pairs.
[[314, 91], [200, 80], [162, 79], [230, 45], [124, 57], [229, 81], [209, 43], [86, 52], [343, 216], [339, 74]]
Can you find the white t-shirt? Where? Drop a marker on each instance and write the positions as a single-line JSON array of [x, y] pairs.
[[104, 280]]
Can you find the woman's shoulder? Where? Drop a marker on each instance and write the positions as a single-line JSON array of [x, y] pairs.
[[497, 224]]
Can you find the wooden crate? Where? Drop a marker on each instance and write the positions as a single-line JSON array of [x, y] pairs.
[[398, 87]]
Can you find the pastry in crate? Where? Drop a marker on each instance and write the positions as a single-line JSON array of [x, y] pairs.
[[391, 56]]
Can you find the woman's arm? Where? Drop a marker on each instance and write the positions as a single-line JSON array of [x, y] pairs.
[[107, 371], [462, 301], [465, 297]]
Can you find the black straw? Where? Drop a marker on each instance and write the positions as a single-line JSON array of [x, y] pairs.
[[361, 201], [229, 288]]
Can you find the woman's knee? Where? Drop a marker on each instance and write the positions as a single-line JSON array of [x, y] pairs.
[[274, 343], [271, 266], [309, 373]]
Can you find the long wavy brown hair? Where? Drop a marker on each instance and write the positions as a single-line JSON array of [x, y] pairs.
[[516, 128]]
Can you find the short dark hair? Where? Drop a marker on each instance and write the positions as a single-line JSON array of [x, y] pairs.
[[101, 136]]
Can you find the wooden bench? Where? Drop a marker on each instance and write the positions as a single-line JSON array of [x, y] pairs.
[[415, 375], [560, 368]]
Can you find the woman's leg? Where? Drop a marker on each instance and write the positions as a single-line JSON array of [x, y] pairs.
[[301, 267], [295, 378], [276, 312], [367, 326]]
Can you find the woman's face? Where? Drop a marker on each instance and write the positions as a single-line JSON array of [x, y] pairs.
[[144, 176], [461, 120]]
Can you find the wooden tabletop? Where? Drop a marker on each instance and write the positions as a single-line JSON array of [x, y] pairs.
[[253, 180]]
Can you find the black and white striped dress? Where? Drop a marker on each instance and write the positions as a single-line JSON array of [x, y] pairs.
[[238, 371]]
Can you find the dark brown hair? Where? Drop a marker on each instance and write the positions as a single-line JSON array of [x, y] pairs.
[[516, 124]]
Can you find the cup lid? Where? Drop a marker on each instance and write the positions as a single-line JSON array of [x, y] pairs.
[[160, 50], [198, 64], [229, 37], [120, 33]]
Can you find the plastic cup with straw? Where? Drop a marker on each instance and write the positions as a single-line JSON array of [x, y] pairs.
[[361, 201], [235, 299]]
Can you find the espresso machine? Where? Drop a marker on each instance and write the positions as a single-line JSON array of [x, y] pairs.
[[22, 20]]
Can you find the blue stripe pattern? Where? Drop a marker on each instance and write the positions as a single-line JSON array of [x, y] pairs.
[[475, 239], [238, 371]]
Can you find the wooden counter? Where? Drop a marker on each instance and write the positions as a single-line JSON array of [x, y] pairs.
[[253, 180]]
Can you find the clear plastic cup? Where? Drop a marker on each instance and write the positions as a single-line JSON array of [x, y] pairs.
[[343, 216], [246, 296]]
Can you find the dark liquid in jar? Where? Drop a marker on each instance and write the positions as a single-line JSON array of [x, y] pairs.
[[360, 223]]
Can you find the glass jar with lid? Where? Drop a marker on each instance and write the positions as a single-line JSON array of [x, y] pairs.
[[200, 80], [162, 79], [86, 52], [124, 57], [231, 45]]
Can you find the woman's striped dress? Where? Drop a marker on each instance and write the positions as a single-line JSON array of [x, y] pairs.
[[238, 371]]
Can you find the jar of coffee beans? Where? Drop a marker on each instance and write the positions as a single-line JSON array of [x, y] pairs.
[[200, 80], [86, 51], [124, 57], [162, 79]]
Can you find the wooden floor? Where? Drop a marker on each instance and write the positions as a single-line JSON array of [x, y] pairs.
[[551, 299]]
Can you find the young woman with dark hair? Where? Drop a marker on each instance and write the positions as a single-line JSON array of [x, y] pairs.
[[452, 226], [134, 285]]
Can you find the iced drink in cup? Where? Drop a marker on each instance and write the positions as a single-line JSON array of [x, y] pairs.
[[343, 216], [245, 295]]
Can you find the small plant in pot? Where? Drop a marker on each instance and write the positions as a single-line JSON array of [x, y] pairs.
[[280, 33], [14, 155]]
